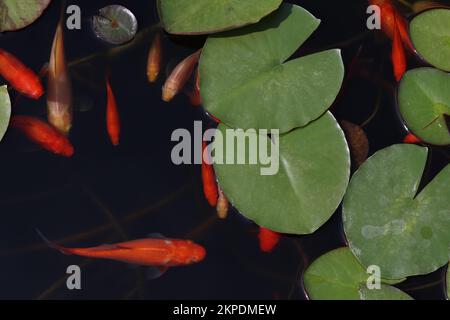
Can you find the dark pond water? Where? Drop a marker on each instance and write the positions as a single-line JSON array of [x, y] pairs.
[[104, 194]]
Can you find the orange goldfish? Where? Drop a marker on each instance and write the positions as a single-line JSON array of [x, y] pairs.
[[154, 59], [112, 115], [209, 181], [144, 252], [410, 138], [179, 76], [59, 96], [21, 78], [398, 55], [43, 134], [390, 17], [268, 239], [222, 205]]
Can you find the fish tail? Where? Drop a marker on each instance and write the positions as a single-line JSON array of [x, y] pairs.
[[53, 245]]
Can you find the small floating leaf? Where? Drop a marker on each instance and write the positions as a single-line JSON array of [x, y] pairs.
[[5, 111], [246, 82], [430, 34], [388, 224], [115, 24], [357, 140], [424, 99], [313, 173], [16, 14], [337, 275], [209, 16]]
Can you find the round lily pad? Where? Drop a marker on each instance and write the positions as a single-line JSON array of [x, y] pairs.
[[115, 24], [246, 82], [5, 110], [15, 15], [337, 275], [313, 172], [430, 34], [210, 16], [388, 223], [424, 102]]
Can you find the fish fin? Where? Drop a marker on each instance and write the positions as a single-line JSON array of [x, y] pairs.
[[52, 244], [156, 235], [155, 272]]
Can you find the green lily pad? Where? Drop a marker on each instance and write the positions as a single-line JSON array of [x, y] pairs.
[[15, 15], [388, 224], [424, 99], [313, 173], [5, 111], [210, 16], [337, 275], [115, 24], [246, 82], [430, 34]]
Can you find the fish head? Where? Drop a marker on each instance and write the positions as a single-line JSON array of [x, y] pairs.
[[188, 253]]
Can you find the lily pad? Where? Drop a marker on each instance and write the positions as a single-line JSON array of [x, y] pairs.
[[15, 15], [337, 275], [246, 82], [388, 223], [424, 100], [5, 111], [115, 24], [312, 176], [210, 16], [430, 34]]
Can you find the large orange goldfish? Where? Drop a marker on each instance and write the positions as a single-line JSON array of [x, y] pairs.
[[21, 78], [43, 134], [143, 252]]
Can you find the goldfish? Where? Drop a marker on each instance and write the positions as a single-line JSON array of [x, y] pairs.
[[210, 189], [398, 55], [59, 96], [410, 138], [21, 78], [154, 59], [222, 205], [112, 115], [43, 134], [153, 252], [390, 18], [268, 239], [179, 76]]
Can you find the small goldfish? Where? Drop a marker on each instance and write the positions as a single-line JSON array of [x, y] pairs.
[[222, 205], [43, 134], [143, 252], [59, 96], [390, 17], [179, 76], [410, 138], [268, 239], [112, 115], [21, 78], [154, 59], [209, 180], [398, 55]]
